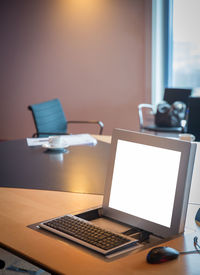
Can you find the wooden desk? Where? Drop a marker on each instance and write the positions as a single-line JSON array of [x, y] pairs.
[[20, 208]]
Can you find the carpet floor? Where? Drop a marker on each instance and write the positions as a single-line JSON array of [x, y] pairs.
[[20, 266]]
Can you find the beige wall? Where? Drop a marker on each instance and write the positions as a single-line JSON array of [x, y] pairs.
[[94, 55]]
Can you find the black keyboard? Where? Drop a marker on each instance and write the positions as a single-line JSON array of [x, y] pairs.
[[87, 234]]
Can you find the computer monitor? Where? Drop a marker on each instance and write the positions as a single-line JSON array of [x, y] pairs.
[[148, 181]]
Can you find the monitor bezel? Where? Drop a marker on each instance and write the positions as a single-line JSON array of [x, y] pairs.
[[187, 150]]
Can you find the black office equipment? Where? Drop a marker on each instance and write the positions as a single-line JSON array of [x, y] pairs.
[[147, 112], [193, 120], [170, 115], [2, 264], [177, 94], [162, 254]]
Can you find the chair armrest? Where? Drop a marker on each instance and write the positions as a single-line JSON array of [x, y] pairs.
[[100, 123], [141, 107]]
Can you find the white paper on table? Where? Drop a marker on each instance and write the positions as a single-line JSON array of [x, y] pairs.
[[68, 140], [80, 139], [36, 141]]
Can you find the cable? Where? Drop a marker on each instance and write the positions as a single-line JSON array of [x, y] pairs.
[[196, 245], [189, 252]]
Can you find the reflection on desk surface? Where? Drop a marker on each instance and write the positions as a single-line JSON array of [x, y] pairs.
[[81, 170]]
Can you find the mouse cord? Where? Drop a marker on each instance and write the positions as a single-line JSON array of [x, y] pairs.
[[196, 245]]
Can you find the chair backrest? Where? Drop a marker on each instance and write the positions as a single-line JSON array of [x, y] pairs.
[[175, 94], [193, 121], [49, 116]]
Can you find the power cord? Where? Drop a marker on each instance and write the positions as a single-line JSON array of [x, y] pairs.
[[196, 245]]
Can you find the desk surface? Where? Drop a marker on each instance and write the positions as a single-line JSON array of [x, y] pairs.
[[79, 170], [20, 208]]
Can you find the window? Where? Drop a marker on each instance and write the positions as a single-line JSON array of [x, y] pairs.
[[186, 44], [175, 46]]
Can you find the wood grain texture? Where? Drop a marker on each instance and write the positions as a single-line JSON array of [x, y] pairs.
[[20, 208]]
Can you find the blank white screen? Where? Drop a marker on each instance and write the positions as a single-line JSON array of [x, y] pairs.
[[144, 181]]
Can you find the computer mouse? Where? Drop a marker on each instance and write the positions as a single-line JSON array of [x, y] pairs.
[[197, 217], [162, 254]]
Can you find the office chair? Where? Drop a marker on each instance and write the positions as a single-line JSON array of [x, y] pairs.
[[175, 94], [193, 119], [50, 119], [147, 111]]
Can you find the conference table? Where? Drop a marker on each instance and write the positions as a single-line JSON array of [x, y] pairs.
[[37, 185]]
